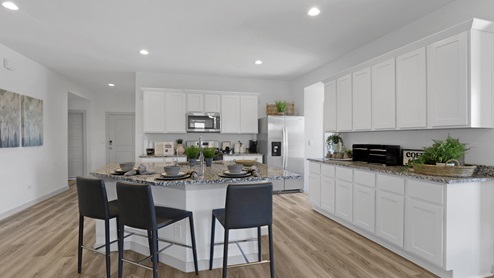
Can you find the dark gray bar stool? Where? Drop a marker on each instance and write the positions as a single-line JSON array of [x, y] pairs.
[[247, 206], [137, 210], [93, 203]]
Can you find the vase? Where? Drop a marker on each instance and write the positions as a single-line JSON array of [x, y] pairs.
[[180, 149], [209, 161]]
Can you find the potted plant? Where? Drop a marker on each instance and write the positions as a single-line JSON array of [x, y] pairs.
[[347, 153], [208, 155], [281, 106], [335, 143], [180, 148], [192, 153]]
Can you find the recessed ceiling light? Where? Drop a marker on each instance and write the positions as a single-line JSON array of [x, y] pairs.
[[10, 5], [258, 62], [144, 52], [313, 11], [111, 84]]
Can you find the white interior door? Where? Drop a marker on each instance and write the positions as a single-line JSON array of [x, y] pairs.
[[76, 135], [120, 137]]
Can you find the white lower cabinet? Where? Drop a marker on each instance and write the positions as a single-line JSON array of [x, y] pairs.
[[424, 230], [327, 194], [364, 204], [315, 184], [390, 217], [257, 158], [344, 199]]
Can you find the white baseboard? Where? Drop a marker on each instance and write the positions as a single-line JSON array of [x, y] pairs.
[[31, 203]]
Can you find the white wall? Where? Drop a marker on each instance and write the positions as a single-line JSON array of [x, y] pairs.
[[270, 91], [29, 174], [452, 14]]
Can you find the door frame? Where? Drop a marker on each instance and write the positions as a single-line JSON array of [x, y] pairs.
[[108, 114], [84, 138]]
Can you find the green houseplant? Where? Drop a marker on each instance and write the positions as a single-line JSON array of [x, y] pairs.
[[441, 151], [208, 155], [192, 153], [335, 144], [281, 106]]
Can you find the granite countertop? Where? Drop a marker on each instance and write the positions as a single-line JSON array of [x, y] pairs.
[[482, 174], [159, 156], [266, 173]]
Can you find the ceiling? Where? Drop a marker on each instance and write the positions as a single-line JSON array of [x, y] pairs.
[[96, 42]]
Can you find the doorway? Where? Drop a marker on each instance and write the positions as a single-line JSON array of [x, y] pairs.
[[120, 137], [76, 143]]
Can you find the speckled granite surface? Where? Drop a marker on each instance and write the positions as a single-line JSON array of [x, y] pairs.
[[158, 156], [482, 174], [232, 155], [265, 172]]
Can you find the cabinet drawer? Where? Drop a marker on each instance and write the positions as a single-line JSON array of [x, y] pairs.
[[426, 191], [315, 168], [344, 173], [391, 184], [364, 178], [327, 170]]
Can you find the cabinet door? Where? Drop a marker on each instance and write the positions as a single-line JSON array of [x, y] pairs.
[[195, 102], [248, 114], [153, 112], [343, 200], [389, 217], [361, 99], [230, 113], [315, 190], [411, 89], [344, 103], [327, 194], [175, 112], [447, 91], [384, 95], [212, 103], [330, 106], [424, 230], [364, 202]]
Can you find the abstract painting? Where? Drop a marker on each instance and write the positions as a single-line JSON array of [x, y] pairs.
[[10, 124], [32, 121]]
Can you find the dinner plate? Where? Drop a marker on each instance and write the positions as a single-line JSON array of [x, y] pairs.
[[226, 172], [239, 175], [169, 178], [179, 175], [119, 171]]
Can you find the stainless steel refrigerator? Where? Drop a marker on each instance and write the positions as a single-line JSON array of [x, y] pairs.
[[281, 141]]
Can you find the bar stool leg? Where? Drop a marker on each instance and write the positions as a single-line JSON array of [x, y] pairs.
[[259, 243], [120, 250], [193, 238], [271, 251], [107, 247], [225, 253], [152, 234], [79, 249], [212, 243]]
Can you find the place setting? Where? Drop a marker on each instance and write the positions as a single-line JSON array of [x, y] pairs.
[[174, 173], [237, 171], [128, 169]]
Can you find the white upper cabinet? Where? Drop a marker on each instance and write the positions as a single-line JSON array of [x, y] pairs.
[[361, 99], [203, 102], [248, 114], [344, 103], [411, 91], [384, 95], [239, 113], [459, 89], [153, 112], [330, 106], [175, 103], [212, 103]]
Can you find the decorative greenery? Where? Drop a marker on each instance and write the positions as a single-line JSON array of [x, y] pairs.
[[192, 151], [209, 152], [347, 151], [281, 105], [440, 152], [179, 141], [335, 138]]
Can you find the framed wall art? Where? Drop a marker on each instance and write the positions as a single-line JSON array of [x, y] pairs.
[[10, 123], [32, 121]]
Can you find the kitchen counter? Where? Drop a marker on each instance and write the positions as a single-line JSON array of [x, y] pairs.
[[482, 174], [153, 156], [266, 173]]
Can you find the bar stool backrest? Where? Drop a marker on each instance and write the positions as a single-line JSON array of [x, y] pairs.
[[249, 205], [92, 198], [136, 205]]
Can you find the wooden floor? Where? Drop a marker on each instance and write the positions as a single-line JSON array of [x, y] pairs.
[[42, 242]]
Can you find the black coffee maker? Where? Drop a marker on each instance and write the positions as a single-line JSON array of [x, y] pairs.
[[253, 146]]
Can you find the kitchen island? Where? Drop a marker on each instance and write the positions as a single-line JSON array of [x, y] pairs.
[[444, 224], [200, 196]]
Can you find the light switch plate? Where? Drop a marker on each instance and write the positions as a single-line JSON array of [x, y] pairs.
[[8, 64]]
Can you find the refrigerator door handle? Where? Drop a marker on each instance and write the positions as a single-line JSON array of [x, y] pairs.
[[286, 148]]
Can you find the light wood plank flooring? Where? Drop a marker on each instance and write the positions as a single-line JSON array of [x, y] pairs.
[[41, 241]]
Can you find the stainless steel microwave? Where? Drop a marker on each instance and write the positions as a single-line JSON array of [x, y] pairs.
[[203, 122]]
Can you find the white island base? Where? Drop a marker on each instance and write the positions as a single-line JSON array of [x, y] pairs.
[[201, 199]]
